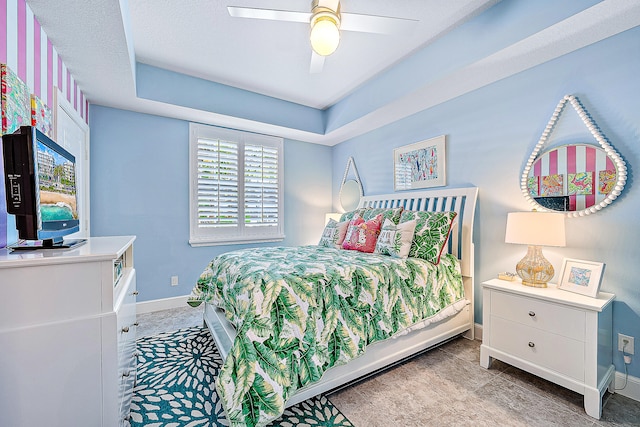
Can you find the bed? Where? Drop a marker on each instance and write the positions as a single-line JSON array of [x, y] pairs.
[[394, 340]]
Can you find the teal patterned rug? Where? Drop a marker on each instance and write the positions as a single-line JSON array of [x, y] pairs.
[[175, 386]]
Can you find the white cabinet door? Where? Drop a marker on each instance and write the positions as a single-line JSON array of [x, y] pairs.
[[72, 133]]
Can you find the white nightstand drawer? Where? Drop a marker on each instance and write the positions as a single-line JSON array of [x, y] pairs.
[[547, 316], [555, 352], [566, 338]]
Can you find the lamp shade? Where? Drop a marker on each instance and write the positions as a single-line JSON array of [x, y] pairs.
[[536, 228], [332, 215]]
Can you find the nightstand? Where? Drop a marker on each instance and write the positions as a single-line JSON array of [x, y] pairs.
[[557, 335]]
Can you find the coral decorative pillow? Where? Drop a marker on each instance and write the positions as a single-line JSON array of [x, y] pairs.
[[333, 234], [362, 235], [432, 232], [395, 240]]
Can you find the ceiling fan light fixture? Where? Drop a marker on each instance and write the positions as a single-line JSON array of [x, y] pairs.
[[325, 33]]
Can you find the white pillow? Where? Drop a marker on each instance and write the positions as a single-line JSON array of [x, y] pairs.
[[333, 234], [395, 240]]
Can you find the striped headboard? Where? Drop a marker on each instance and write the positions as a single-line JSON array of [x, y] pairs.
[[460, 200]]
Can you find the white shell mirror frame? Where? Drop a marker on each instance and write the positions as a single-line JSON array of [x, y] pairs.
[[351, 190], [620, 179]]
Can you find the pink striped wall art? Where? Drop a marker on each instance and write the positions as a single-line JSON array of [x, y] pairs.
[[26, 49], [581, 172], [28, 52]]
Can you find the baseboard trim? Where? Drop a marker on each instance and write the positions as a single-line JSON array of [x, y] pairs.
[[161, 304], [477, 330], [632, 390]]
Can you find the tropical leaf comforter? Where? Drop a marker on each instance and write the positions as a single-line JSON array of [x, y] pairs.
[[301, 310]]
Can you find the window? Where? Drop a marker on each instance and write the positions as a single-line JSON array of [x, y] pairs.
[[235, 186]]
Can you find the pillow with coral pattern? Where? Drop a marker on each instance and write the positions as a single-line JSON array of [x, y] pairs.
[[362, 235]]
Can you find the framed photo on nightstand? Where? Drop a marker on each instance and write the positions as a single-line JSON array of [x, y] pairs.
[[582, 277]]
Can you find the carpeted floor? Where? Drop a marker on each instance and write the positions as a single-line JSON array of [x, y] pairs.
[[175, 386], [446, 387]]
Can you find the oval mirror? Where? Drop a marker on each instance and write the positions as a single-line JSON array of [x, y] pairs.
[[350, 194], [578, 179]]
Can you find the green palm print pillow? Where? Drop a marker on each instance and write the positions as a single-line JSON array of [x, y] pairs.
[[369, 213], [392, 214], [432, 231], [348, 216]]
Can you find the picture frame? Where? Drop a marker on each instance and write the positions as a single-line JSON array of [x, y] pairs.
[[582, 277], [420, 165]]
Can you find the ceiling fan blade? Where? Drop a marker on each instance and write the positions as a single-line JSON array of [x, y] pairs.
[[317, 63], [329, 4], [270, 14], [376, 24]]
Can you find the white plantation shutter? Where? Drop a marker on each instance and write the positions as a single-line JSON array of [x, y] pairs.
[[235, 186], [217, 183], [260, 185]]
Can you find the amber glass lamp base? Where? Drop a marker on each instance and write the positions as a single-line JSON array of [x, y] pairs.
[[534, 269]]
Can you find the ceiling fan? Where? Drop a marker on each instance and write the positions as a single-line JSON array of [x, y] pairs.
[[326, 21]]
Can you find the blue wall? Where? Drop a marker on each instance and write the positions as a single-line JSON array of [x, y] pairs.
[[139, 163], [140, 186], [492, 131]]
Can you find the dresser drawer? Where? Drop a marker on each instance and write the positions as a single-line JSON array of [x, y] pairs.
[[128, 375], [126, 333], [126, 336], [126, 309], [555, 352], [547, 316]]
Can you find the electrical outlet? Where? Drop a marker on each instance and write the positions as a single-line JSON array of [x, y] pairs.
[[629, 348], [174, 280]]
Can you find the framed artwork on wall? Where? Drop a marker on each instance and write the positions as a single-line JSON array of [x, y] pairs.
[[582, 277], [41, 116], [420, 165], [15, 100]]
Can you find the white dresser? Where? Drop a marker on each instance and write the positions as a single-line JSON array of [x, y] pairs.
[[561, 336], [67, 335]]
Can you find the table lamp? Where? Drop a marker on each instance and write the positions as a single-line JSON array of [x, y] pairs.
[[331, 215], [535, 229]]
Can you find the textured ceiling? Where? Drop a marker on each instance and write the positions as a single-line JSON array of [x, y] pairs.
[[273, 57], [101, 42]]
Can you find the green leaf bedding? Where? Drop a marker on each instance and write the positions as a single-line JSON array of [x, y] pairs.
[[300, 310]]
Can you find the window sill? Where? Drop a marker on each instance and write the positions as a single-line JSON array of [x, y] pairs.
[[234, 241]]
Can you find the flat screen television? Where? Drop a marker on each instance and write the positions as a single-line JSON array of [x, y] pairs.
[[40, 182]]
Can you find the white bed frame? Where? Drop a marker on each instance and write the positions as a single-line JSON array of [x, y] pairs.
[[388, 352]]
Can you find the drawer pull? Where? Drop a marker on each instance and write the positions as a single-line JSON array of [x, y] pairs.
[[136, 324], [134, 293], [126, 374], [531, 344], [532, 313], [125, 329]]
